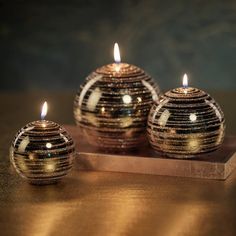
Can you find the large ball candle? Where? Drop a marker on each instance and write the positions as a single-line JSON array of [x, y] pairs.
[[112, 106], [42, 152], [185, 123]]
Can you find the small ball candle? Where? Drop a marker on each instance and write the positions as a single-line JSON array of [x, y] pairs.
[[112, 106], [185, 123], [42, 152]]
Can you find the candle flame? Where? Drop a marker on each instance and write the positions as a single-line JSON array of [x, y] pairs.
[[117, 53], [44, 110], [185, 81]]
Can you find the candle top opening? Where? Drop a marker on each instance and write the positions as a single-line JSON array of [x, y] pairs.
[[44, 110], [117, 57], [185, 81]]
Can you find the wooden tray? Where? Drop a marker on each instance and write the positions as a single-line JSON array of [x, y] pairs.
[[217, 165]]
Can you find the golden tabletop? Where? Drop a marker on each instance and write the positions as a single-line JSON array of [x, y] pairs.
[[105, 203]]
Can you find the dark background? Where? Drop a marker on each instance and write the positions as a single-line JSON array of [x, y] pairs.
[[54, 45]]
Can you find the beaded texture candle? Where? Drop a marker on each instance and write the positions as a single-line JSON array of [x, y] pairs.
[[112, 106], [185, 123], [42, 152]]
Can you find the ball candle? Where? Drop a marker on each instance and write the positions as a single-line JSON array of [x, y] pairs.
[[112, 106], [42, 152], [185, 123]]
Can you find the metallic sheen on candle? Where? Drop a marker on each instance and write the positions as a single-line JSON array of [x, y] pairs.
[[112, 106], [42, 152], [185, 123]]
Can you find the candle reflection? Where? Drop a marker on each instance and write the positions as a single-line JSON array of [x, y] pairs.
[[192, 117]]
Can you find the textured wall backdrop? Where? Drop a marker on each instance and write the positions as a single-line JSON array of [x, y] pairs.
[[55, 44]]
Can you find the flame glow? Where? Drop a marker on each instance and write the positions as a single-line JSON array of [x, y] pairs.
[[117, 53], [185, 81], [44, 110]]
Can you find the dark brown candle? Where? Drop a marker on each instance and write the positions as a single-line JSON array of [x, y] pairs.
[[185, 123], [112, 106], [42, 152]]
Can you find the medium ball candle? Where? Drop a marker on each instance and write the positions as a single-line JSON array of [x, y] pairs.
[[185, 123]]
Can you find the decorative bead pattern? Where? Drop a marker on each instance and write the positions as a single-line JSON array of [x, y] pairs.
[[185, 123], [42, 152], [112, 106]]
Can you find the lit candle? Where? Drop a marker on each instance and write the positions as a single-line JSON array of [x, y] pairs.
[[185, 83], [186, 123], [42, 152], [44, 113], [112, 106], [117, 58]]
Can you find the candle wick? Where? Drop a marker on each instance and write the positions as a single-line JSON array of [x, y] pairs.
[[185, 89], [117, 66], [42, 117]]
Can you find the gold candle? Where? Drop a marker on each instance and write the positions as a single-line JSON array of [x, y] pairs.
[[185, 123], [112, 106], [42, 152]]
